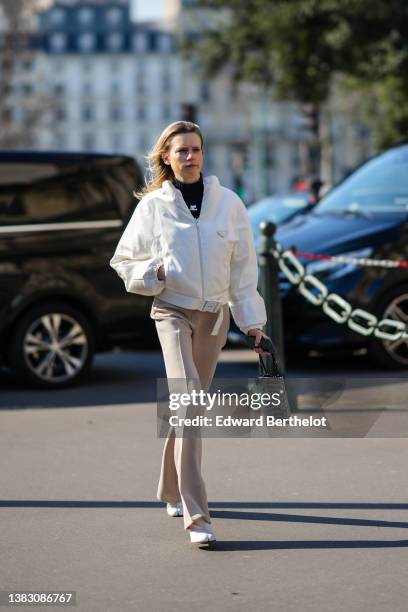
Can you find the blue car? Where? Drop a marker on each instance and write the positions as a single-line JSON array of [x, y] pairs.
[[364, 217]]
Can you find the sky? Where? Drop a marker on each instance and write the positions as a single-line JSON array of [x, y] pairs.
[[148, 9]]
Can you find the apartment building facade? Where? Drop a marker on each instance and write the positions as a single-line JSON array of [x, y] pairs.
[[106, 83]]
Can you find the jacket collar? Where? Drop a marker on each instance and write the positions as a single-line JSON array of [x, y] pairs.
[[211, 197]]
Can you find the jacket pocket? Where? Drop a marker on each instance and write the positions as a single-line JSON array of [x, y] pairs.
[[224, 245], [145, 286]]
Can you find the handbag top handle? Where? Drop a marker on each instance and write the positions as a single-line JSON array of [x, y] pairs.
[[275, 368]]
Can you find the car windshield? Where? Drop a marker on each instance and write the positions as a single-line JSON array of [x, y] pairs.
[[276, 209], [380, 185]]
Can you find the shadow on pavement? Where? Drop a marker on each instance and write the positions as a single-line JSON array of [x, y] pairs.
[[303, 544], [229, 514], [255, 545]]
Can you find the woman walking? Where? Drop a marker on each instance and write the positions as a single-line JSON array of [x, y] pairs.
[[189, 243]]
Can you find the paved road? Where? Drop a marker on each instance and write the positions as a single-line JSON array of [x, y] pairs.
[[302, 524]]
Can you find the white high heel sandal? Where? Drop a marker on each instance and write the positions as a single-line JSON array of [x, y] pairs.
[[202, 534], [175, 509]]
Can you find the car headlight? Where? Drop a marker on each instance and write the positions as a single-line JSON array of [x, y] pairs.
[[333, 266]]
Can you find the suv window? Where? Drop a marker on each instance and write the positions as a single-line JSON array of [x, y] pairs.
[[39, 193], [123, 180]]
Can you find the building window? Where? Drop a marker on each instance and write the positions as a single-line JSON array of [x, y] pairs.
[[114, 16], [86, 41], [59, 89], [166, 81], [208, 160], [115, 88], [143, 144], [58, 66], [270, 158], [164, 43], [115, 66], [60, 113], [88, 141], [116, 142], [87, 113], [8, 115], [205, 91], [139, 42], [115, 112], [140, 84], [87, 88], [166, 111], [58, 42], [16, 115], [87, 65], [26, 89], [141, 112], [85, 16], [59, 141], [57, 16], [295, 157], [28, 64], [114, 41]]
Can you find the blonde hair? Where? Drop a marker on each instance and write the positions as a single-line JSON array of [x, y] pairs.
[[160, 171]]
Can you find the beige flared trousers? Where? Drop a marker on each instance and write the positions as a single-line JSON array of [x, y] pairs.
[[190, 352]]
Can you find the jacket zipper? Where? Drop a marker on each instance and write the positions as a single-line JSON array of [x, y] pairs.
[[201, 258], [199, 247]]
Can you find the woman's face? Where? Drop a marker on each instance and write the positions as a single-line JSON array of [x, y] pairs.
[[185, 156]]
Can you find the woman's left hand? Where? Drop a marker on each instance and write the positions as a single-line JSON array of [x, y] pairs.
[[258, 333], [161, 275]]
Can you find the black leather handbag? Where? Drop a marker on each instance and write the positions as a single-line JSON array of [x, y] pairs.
[[271, 381]]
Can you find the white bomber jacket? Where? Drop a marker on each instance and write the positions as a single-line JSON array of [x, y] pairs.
[[208, 261]]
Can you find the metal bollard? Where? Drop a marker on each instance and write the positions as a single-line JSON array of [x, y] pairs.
[[269, 289]]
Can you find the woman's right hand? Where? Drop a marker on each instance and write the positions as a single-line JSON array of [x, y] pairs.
[[161, 275]]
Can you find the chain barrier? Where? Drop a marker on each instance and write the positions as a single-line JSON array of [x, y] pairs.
[[333, 305], [357, 261]]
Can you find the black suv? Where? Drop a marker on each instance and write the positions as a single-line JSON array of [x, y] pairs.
[[61, 216]]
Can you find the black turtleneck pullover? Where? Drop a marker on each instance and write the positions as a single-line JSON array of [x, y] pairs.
[[192, 194]]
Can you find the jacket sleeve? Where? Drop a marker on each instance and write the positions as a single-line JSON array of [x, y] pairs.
[[246, 304], [133, 259]]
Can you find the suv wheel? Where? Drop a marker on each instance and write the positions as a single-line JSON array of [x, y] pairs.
[[392, 353], [52, 346]]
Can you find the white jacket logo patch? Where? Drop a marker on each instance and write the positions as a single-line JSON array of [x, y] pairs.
[[221, 233]]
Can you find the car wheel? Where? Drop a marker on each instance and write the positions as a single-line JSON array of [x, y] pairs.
[[392, 353], [52, 346]]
